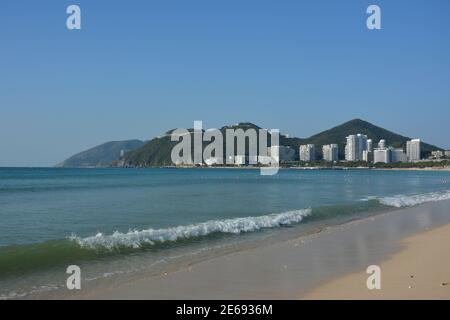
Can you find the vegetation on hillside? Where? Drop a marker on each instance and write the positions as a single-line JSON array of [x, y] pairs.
[[157, 152], [103, 155]]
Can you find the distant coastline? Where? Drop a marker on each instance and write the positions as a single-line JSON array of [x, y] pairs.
[[157, 151], [437, 167]]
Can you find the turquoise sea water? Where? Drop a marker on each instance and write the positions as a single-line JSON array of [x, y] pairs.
[[112, 221]]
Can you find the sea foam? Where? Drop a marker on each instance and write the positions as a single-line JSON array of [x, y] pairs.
[[137, 239], [412, 200]]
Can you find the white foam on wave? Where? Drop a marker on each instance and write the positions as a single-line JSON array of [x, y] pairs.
[[400, 201], [136, 239]]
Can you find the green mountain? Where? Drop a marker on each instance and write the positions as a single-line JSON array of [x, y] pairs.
[[338, 135], [103, 155], [157, 152]]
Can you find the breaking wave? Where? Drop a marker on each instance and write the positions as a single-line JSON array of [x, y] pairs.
[[400, 201], [137, 239]]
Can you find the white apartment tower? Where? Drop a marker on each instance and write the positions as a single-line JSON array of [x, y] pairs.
[[307, 152], [355, 147], [369, 145], [397, 155], [413, 150], [350, 148], [330, 152], [382, 155]]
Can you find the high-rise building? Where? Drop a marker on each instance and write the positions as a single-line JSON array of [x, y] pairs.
[[307, 152], [362, 145], [382, 144], [350, 148], [381, 155], [355, 147], [367, 156], [330, 152], [397, 155], [413, 150], [369, 145]]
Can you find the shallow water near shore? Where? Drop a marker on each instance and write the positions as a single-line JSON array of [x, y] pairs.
[[289, 265], [117, 224]]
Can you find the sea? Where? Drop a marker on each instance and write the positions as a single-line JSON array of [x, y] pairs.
[[118, 225]]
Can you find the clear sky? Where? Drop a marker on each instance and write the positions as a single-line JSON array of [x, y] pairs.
[[139, 68]]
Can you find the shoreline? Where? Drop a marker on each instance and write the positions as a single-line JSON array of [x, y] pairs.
[[255, 167], [290, 269], [338, 168]]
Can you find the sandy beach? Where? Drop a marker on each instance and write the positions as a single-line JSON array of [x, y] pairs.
[[421, 270], [411, 245]]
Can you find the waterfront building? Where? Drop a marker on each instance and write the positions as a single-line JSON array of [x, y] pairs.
[[367, 156], [381, 155], [398, 155], [330, 152], [307, 152], [355, 147], [413, 150], [369, 145]]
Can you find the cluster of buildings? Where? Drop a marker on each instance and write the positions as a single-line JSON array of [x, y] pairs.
[[359, 148], [438, 154], [307, 152], [388, 155]]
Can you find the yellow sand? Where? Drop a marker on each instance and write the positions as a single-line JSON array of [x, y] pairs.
[[420, 271]]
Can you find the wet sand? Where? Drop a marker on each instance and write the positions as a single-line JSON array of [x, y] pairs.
[[307, 267]]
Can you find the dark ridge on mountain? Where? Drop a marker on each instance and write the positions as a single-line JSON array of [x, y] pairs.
[[103, 155], [157, 152], [242, 125]]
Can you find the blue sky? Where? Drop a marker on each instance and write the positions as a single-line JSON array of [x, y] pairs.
[[139, 68]]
